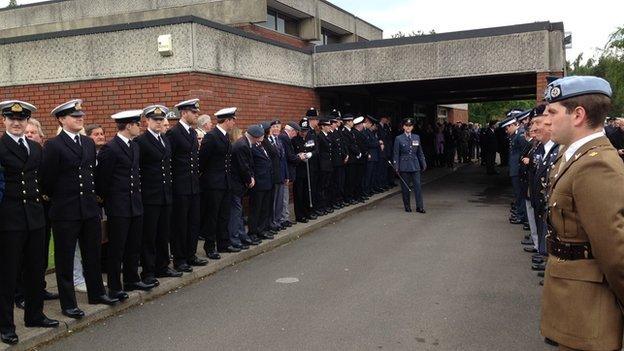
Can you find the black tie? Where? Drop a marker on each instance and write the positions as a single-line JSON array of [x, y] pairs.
[[160, 140], [77, 139], [20, 141]]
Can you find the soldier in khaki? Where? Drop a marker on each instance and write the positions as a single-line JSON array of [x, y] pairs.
[[584, 277]]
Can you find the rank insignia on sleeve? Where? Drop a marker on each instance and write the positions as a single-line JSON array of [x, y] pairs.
[[593, 154]]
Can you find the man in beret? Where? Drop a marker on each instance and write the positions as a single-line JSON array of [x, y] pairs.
[[22, 222], [584, 280]]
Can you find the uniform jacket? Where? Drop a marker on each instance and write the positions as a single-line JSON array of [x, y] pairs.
[[299, 146], [314, 161], [526, 171], [325, 156], [1, 182], [408, 155], [352, 146], [274, 150], [386, 135], [338, 148], [242, 166], [118, 179], [215, 158], [517, 145], [292, 160], [184, 160], [155, 164], [586, 204], [22, 208], [539, 181], [372, 145], [361, 143], [68, 178], [263, 168]]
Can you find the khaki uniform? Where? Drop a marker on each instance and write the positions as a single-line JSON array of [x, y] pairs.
[[586, 204]]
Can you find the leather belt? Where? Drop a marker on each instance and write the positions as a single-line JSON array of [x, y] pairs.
[[569, 251]]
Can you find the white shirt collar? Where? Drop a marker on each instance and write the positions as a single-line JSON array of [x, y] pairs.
[[17, 138], [347, 128], [71, 135], [221, 129], [156, 135], [547, 147], [573, 148], [125, 140], [185, 125]]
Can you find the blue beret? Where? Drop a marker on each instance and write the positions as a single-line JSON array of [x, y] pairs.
[[569, 87], [255, 131]]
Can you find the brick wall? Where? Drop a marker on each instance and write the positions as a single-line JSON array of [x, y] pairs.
[[256, 101], [542, 83], [455, 115], [277, 36]]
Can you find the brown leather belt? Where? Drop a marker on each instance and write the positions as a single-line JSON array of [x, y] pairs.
[[569, 251]]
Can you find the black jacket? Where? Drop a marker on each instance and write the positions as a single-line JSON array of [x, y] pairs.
[[299, 146], [215, 158], [184, 160], [242, 166], [275, 160], [21, 209], [338, 148], [291, 156], [155, 164], [67, 177], [118, 180], [360, 140], [325, 156], [263, 168]]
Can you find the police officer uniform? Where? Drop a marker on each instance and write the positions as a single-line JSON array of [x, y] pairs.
[[360, 161], [301, 191], [325, 168], [155, 164], [68, 180], [338, 154], [185, 218], [118, 184], [22, 225], [409, 161], [215, 159], [353, 154], [314, 162], [583, 286]]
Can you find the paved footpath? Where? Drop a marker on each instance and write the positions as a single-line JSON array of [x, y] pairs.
[[453, 279]]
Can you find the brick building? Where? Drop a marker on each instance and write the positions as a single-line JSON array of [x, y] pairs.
[[270, 58]]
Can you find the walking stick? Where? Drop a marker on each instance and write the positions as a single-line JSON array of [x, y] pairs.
[[309, 184], [399, 175]]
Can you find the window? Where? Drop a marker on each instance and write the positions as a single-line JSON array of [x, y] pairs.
[[328, 37], [281, 23]]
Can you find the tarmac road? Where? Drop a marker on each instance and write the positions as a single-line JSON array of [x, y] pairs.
[[455, 278]]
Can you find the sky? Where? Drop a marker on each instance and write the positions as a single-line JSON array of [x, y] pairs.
[[590, 22]]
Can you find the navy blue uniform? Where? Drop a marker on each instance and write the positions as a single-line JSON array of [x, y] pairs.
[[409, 161], [260, 198]]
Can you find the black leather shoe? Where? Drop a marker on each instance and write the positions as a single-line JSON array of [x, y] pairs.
[[249, 242], [527, 242], [527, 237], [49, 296], [184, 268], [265, 235], [526, 227], [44, 323], [196, 261], [336, 207], [540, 274], [213, 255], [529, 249], [151, 280], [538, 267], [536, 255], [9, 338], [138, 286], [537, 260], [272, 232], [20, 304], [169, 273], [312, 216], [515, 221], [103, 300], [75, 313], [302, 220], [407, 209], [421, 210], [242, 246], [119, 295]]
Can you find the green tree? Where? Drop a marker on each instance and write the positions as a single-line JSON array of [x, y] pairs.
[[12, 3], [400, 34], [483, 112]]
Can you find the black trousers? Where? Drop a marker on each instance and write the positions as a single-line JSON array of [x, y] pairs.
[[338, 184], [215, 217], [350, 181], [21, 251], [88, 233], [260, 202], [184, 227], [124, 247], [19, 290], [155, 242], [301, 198], [315, 185], [325, 189], [490, 160], [360, 171]]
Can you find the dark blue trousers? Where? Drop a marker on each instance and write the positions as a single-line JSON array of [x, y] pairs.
[[413, 179]]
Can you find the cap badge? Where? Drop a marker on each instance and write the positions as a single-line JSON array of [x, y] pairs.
[[78, 106], [158, 111], [16, 108], [197, 105], [555, 92]]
